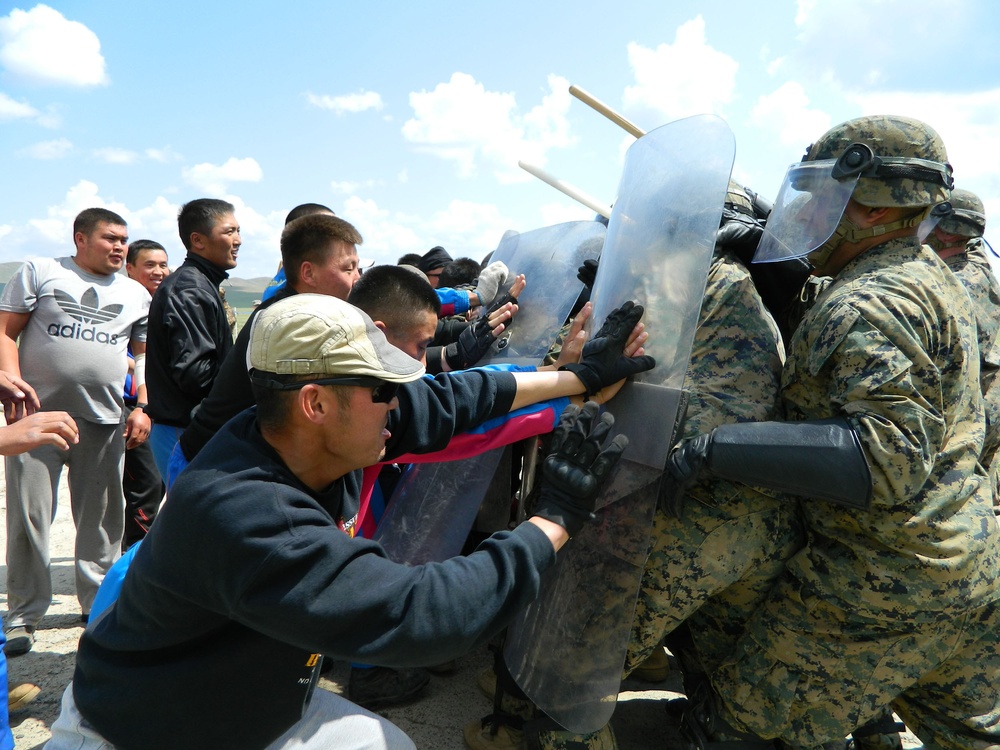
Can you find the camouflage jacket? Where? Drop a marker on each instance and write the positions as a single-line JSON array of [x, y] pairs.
[[890, 345], [735, 365], [976, 274]]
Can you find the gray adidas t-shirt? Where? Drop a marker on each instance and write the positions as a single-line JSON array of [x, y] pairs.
[[73, 349]]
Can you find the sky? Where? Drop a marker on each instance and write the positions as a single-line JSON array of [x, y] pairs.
[[409, 119]]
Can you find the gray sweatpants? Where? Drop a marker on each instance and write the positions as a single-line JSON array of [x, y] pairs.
[[330, 721], [95, 467]]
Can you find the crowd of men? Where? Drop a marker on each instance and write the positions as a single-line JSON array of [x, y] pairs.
[[824, 550]]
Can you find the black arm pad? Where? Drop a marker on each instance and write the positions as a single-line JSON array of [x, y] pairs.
[[823, 460]]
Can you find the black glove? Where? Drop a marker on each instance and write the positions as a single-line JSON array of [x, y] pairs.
[[587, 273], [473, 343], [740, 234], [574, 471], [476, 339], [602, 362], [684, 466]]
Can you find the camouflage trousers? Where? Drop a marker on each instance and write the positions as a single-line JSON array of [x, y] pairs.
[[808, 672], [712, 568]]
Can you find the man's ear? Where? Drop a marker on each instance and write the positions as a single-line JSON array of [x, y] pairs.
[[306, 274], [312, 403], [380, 325], [196, 240], [875, 216]]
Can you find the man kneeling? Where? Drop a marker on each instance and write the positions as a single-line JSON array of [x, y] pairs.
[[247, 575]]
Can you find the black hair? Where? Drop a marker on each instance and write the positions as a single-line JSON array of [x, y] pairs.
[[310, 237], [305, 209], [88, 219], [393, 294], [460, 272], [200, 216], [139, 246]]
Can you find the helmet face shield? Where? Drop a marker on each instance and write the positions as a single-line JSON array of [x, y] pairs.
[[807, 211]]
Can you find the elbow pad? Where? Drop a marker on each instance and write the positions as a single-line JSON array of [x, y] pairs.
[[821, 459]]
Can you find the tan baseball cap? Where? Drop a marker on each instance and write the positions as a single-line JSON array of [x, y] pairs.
[[316, 334]]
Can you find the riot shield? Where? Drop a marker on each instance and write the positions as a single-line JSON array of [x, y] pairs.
[[434, 506], [549, 258], [567, 649]]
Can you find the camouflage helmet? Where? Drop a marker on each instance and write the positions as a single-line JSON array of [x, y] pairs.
[[900, 161], [968, 216]]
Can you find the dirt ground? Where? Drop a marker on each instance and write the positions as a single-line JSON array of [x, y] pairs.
[[434, 721]]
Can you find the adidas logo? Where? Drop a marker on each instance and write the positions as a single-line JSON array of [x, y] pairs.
[[87, 310]]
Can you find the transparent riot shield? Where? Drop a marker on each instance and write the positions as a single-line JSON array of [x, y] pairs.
[[567, 649], [549, 258], [434, 506]]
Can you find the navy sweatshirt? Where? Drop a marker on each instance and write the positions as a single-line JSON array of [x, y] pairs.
[[245, 579]]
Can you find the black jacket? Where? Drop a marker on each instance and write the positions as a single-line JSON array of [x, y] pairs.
[[230, 393], [187, 339]]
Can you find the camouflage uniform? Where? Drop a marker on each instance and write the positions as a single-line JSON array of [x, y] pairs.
[[976, 274], [729, 533], [896, 604]]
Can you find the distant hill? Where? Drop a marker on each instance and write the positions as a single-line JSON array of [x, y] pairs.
[[240, 293]]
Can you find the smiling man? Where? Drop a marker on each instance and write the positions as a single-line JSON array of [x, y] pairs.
[[74, 316], [189, 334]]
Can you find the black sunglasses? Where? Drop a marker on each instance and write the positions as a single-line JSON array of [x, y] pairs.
[[383, 392]]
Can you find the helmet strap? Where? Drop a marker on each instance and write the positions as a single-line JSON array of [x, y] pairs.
[[849, 231]]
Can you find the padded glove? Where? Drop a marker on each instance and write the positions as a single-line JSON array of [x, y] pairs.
[[575, 470], [740, 234], [476, 339], [472, 345], [603, 361]]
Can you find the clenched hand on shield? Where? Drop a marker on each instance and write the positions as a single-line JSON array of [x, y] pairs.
[[572, 474]]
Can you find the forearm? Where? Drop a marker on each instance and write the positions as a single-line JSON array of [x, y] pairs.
[[542, 386], [9, 357]]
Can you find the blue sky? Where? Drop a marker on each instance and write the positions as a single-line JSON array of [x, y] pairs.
[[408, 119]]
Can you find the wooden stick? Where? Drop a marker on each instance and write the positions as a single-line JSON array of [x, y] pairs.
[[578, 195], [604, 109]]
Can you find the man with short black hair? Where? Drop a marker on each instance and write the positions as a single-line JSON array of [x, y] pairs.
[[279, 281], [319, 254], [75, 316], [189, 332]]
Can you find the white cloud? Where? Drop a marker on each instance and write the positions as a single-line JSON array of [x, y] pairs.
[[967, 122], [464, 228], [14, 110], [215, 179], [558, 213], [162, 155], [347, 103], [804, 10], [48, 150], [112, 155], [463, 122], [158, 221], [347, 187], [706, 85], [786, 111], [41, 46], [52, 235]]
